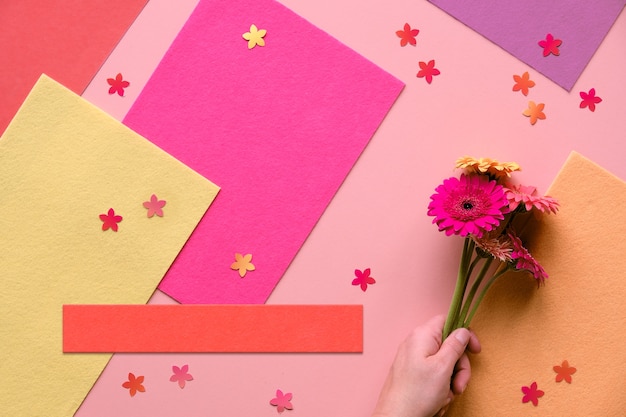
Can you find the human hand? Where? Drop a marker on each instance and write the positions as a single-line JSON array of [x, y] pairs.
[[427, 374]]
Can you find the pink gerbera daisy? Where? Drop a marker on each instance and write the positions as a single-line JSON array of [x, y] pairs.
[[472, 204], [524, 261], [526, 196]]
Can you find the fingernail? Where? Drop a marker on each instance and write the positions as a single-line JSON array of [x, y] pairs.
[[463, 336]]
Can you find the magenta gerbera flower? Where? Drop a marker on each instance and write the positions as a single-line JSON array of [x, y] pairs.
[[470, 205], [524, 260], [526, 196]]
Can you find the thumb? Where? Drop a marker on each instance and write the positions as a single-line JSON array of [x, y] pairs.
[[453, 347]]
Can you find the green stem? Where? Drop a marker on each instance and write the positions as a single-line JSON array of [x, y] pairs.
[[470, 297], [499, 272], [459, 290]]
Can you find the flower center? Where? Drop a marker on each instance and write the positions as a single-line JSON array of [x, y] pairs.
[[467, 205]]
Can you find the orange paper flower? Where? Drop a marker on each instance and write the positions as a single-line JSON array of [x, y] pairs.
[[523, 83], [407, 36], [255, 36], [242, 264], [134, 384], [564, 372], [535, 112]]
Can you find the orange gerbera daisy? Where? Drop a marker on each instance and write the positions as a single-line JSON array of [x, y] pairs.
[[487, 166]]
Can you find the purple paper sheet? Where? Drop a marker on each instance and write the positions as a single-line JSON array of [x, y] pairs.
[[517, 27]]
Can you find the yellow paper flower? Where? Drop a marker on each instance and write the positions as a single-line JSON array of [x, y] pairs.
[[487, 166], [242, 264], [255, 36]]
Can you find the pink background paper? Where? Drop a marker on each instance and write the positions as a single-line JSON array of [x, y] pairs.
[[517, 27], [277, 127], [378, 218]]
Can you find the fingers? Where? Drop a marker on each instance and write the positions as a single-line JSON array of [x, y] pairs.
[[454, 346], [473, 345], [462, 374]]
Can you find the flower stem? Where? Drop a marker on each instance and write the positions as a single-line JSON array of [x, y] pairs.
[[470, 297], [459, 290], [499, 272]]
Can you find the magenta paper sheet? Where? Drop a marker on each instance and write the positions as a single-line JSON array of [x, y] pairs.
[[277, 127], [517, 27]]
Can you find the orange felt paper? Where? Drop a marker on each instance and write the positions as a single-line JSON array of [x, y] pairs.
[[578, 316], [212, 328]]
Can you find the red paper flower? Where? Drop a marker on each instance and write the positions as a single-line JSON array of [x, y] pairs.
[[428, 71], [117, 85], [407, 36], [154, 206], [564, 372], [470, 205], [524, 260], [181, 375], [134, 384], [550, 45], [532, 394], [363, 278], [282, 401], [523, 83], [589, 99], [110, 220]]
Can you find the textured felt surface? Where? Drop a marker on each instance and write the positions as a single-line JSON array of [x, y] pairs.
[[578, 316]]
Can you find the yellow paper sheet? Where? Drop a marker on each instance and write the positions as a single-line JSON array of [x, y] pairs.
[[63, 162], [577, 316]]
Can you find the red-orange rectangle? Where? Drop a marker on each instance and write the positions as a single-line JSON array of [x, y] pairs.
[[213, 328]]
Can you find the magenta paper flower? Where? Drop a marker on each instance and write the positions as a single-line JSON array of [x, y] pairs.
[[282, 401], [154, 206], [526, 196], [428, 70], [470, 205], [181, 375], [110, 220], [589, 99], [524, 261], [117, 85], [550, 45], [532, 394], [363, 278]]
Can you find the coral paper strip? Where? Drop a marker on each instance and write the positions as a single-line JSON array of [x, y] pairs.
[[278, 127], [212, 328], [68, 40], [518, 26], [577, 316], [63, 163]]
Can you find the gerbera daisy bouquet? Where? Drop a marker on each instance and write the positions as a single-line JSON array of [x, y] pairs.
[[480, 206]]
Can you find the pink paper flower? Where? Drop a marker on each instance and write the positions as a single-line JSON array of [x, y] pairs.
[[117, 85], [532, 394], [154, 206], [470, 205], [526, 197], [282, 401], [589, 99], [524, 261], [550, 45], [181, 375], [110, 220], [363, 278], [428, 70]]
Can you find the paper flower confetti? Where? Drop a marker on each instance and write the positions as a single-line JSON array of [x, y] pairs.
[[255, 36], [282, 401], [117, 85], [154, 206], [564, 372], [535, 112], [407, 35], [550, 45], [589, 99], [242, 264], [523, 83], [363, 278], [110, 220], [181, 375], [428, 70], [532, 394], [133, 384]]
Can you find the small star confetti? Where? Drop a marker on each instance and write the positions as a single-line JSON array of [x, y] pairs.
[[564, 372], [363, 278], [117, 85], [110, 220], [154, 206], [407, 35], [589, 99], [532, 394], [428, 70], [535, 112], [523, 83], [181, 375], [255, 36], [282, 401], [242, 264], [550, 45], [134, 384]]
